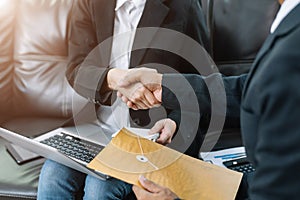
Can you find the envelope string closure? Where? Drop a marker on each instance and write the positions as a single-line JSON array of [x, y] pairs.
[[143, 158]]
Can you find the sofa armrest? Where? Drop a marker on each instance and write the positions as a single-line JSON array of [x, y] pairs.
[[9, 192], [18, 181]]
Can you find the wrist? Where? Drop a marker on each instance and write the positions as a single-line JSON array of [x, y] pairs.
[[159, 79], [113, 76]]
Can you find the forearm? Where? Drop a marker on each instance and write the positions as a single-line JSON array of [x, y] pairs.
[[87, 65], [90, 82], [178, 90]]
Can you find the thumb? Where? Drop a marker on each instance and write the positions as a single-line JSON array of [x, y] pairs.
[[158, 94], [149, 185], [137, 75], [140, 193]]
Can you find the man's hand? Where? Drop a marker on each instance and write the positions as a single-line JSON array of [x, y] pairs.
[[152, 191], [150, 79], [136, 95], [113, 77], [139, 94], [166, 128]]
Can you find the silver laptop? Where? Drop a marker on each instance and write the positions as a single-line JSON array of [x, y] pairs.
[[74, 147], [61, 146]]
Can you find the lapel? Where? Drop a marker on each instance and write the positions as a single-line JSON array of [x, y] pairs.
[[286, 26], [155, 12], [104, 18]]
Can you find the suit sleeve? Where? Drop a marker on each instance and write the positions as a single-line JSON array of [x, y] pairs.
[[277, 150], [179, 90], [88, 64], [190, 98]]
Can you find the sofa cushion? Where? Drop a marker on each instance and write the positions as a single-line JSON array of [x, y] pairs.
[[33, 59], [6, 56], [238, 30]]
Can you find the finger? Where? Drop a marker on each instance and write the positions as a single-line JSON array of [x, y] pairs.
[[124, 99], [149, 185], [132, 105], [157, 128], [139, 99], [139, 104], [158, 94], [141, 194], [150, 98], [167, 128], [119, 94], [164, 138], [141, 96], [168, 131]]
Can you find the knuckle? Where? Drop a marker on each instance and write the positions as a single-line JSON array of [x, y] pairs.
[[137, 97], [124, 99], [142, 89]]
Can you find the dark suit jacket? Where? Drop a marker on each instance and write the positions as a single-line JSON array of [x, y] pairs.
[[268, 103], [92, 24]]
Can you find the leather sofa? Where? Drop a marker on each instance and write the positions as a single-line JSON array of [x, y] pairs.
[[35, 95], [237, 28]]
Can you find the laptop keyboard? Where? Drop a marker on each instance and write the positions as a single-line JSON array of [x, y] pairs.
[[74, 147]]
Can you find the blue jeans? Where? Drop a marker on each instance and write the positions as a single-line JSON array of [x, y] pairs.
[[60, 182]]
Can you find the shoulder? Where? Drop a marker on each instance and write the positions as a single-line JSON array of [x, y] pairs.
[[284, 58], [279, 74]]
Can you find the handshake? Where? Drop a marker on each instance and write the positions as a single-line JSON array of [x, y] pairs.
[[139, 88]]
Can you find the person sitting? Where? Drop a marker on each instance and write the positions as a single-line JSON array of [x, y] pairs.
[[98, 22]]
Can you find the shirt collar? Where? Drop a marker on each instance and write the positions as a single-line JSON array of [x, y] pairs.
[[286, 8], [137, 3]]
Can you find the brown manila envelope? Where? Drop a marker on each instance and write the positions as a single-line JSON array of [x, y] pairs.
[[128, 156]]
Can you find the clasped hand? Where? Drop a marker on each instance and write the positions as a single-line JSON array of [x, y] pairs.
[[139, 88]]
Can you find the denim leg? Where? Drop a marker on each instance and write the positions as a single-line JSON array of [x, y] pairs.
[[59, 182], [110, 189]]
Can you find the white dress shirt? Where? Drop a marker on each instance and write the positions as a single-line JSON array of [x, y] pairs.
[[127, 16], [286, 8]]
